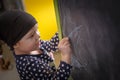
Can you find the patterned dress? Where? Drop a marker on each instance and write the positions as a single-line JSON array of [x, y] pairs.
[[41, 67]]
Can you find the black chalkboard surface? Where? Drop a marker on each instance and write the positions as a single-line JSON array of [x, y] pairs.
[[93, 27]]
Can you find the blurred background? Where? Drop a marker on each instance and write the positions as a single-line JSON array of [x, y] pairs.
[[43, 11]]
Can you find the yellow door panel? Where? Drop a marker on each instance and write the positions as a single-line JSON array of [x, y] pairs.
[[43, 11]]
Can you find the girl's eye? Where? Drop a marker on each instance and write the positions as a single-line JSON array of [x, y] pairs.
[[32, 35]]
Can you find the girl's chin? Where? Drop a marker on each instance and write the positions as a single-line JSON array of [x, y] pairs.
[[37, 48]]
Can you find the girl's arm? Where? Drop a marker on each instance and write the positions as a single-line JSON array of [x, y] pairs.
[[41, 71], [51, 45]]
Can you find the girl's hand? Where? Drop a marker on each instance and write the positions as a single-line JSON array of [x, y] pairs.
[[65, 49]]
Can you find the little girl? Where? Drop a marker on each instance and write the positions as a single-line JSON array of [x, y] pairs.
[[19, 30]]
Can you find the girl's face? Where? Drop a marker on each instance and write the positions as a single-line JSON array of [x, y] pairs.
[[30, 42]]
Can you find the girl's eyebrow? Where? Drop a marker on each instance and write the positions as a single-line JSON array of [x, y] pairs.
[[32, 30]]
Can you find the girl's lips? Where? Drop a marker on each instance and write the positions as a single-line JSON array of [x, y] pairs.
[[38, 43]]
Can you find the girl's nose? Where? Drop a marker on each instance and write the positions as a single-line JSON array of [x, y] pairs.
[[37, 35]]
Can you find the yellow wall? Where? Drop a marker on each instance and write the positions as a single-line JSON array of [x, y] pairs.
[[43, 11]]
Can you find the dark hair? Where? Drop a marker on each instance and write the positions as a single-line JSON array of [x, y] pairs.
[[4, 63], [14, 25]]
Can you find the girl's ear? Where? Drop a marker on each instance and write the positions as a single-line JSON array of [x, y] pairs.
[[16, 45]]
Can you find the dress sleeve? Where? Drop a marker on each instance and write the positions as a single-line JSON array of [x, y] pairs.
[[50, 45], [63, 71], [42, 71]]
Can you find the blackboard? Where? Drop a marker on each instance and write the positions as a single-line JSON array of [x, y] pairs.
[[93, 27], [1, 6]]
